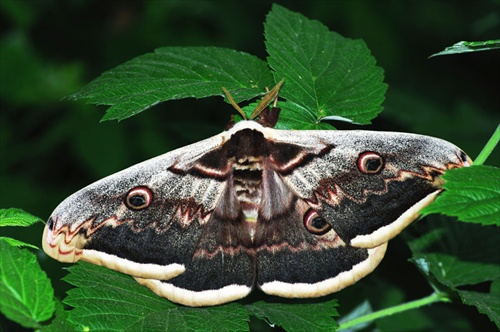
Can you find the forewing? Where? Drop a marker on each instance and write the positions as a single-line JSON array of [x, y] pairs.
[[366, 206], [178, 233]]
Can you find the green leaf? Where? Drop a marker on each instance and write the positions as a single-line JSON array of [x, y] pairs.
[[229, 317], [472, 194], [453, 271], [486, 303], [295, 116], [26, 294], [17, 243], [17, 217], [467, 47], [174, 73], [325, 73], [106, 300], [60, 322], [298, 316], [464, 255]]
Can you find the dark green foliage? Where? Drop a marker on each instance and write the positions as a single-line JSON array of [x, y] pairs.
[[467, 47], [325, 75], [106, 300], [25, 291], [52, 147], [453, 256], [472, 195], [174, 73]]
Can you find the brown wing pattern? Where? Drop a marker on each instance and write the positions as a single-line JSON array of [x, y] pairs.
[[298, 213]]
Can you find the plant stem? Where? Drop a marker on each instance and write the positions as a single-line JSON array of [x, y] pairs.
[[434, 297], [488, 148]]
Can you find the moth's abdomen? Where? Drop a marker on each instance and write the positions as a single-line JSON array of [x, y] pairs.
[[247, 184]]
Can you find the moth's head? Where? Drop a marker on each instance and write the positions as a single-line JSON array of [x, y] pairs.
[[264, 113]]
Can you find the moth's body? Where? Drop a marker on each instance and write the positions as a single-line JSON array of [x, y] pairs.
[[297, 213], [247, 183]]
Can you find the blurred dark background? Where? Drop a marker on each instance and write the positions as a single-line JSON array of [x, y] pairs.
[[51, 147]]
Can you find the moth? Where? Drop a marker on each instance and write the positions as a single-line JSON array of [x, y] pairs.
[[296, 214]]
